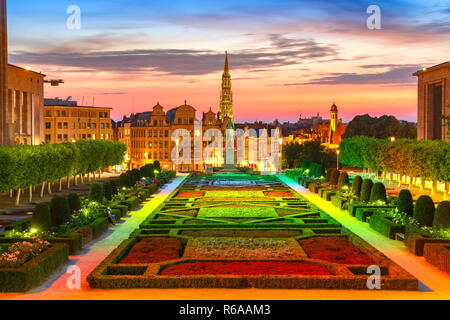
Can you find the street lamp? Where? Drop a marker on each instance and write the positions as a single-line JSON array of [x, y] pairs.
[[392, 139], [337, 161]]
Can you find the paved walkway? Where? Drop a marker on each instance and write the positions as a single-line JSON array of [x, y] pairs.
[[56, 287], [430, 276]]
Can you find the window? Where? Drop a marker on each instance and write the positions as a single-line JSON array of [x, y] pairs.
[[94, 125], [107, 125], [66, 137], [89, 136], [57, 113], [100, 114], [102, 125], [59, 125], [88, 125], [66, 125], [149, 133], [102, 136], [107, 136], [48, 125], [166, 133], [180, 121], [155, 134], [63, 113], [84, 136], [48, 113], [73, 125], [59, 137], [48, 138], [93, 136], [155, 123]]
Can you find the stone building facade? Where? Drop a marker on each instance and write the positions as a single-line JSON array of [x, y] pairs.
[[433, 102], [66, 121]]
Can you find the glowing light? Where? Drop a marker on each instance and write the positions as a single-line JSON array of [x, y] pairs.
[[33, 230], [146, 155], [338, 151], [392, 139], [156, 171], [27, 68], [281, 141]]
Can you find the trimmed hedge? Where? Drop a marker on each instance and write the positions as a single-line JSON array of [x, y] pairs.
[[334, 178], [96, 192], [107, 190], [356, 186], [33, 272], [59, 210], [41, 219], [366, 189], [378, 193], [405, 202], [22, 166], [132, 203], [442, 216], [74, 202], [343, 181], [384, 225], [424, 211], [426, 159]]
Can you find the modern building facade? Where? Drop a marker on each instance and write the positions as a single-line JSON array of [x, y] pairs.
[[66, 121], [433, 102]]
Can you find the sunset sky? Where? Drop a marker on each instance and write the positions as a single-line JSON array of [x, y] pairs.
[[286, 56]]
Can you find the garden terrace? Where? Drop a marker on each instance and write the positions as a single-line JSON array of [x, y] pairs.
[[241, 231]]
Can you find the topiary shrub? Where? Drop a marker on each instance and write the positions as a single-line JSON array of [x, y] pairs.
[[107, 190], [356, 186], [320, 171], [59, 210], [135, 176], [378, 193], [366, 188], [405, 202], [74, 202], [113, 187], [305, 164], [41, 219], [96, 192], [424, 211], [124, 180], [343, 181], [328, 175], [442, 216], [157, 166], [334, 178]]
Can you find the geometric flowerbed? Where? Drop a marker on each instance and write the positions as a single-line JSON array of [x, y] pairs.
[[207, 235]]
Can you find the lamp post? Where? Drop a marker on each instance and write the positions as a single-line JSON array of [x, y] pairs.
[[337, 158]]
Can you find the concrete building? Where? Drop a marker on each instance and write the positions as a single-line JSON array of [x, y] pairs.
[[21, 97], [66, 121], [433, 102]]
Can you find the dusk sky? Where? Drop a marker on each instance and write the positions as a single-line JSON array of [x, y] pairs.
[[285, 56]]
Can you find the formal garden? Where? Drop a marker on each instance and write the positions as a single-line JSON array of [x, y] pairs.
[[423, 226], [33, 248], [243, 231]]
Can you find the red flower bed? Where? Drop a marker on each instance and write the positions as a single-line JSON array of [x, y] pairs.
[[151, 250], [335, 249], [246, 268], [279, 194], [189, 194], [243, 233]]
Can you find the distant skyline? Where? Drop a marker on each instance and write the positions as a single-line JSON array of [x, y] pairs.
[[286, 56]]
